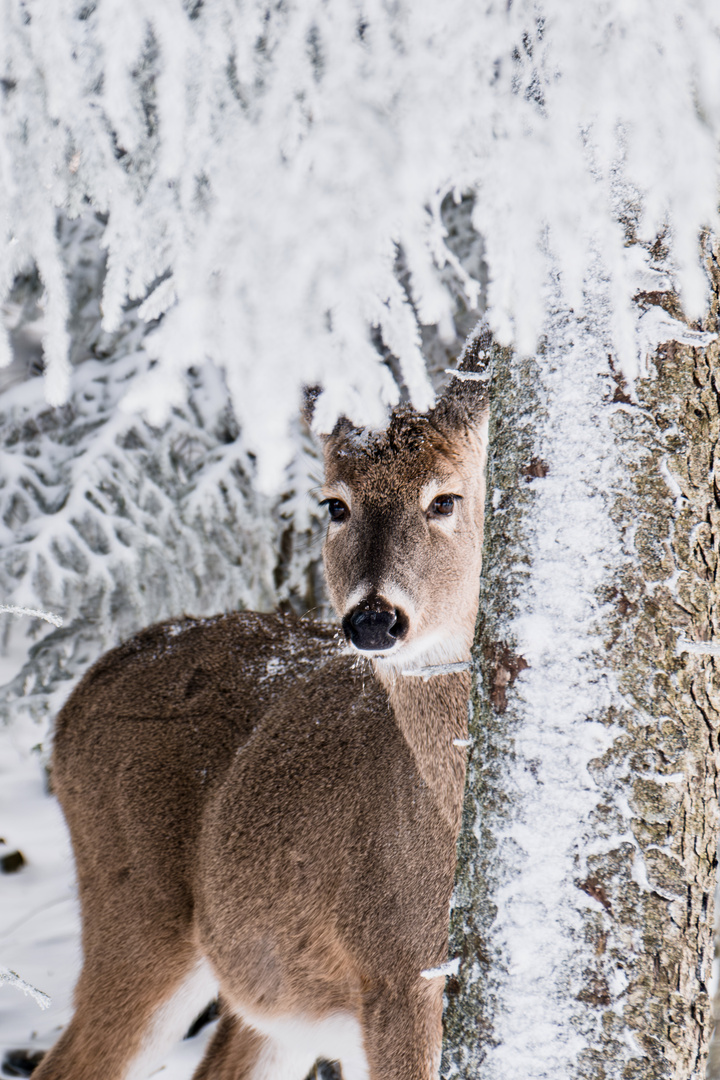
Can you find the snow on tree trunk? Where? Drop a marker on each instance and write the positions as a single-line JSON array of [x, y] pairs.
[[584, 905]]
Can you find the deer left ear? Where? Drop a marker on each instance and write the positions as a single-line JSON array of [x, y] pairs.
[[343, 427]]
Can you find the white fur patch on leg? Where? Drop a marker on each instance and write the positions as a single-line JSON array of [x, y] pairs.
[[278, 1061], [173, 1018], [294, 1043]]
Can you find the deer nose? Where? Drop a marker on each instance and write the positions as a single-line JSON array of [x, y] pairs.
[[372, 630]]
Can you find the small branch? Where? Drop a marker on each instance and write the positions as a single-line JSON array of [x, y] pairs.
[[450, 968], [35, 613], [7, 976], [426, 673], [469, 376]]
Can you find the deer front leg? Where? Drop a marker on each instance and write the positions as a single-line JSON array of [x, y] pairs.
[[402, 1030], [128, 1011]]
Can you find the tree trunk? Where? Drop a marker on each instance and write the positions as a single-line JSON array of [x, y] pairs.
[[584, 905]]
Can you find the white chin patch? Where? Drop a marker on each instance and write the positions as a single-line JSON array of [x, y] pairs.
[[441, 647], [376, 654]]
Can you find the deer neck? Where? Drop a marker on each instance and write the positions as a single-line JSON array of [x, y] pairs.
[[432, 714]]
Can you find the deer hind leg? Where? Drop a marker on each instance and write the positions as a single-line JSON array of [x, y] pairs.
[[402, 1029], [233, 1052], [128, 1014], [238, 1052]]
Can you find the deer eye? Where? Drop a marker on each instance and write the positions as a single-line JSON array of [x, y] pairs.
[[337, 509], [442, 505]]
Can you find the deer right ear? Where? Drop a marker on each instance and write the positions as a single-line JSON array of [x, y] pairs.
[[310, 396]]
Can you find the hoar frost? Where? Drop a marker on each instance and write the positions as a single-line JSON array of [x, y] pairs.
[[255, 160]]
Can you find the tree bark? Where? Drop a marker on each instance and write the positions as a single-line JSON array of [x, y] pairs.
[[584, 905]]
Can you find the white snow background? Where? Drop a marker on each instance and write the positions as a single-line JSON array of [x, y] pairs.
[[260, 158], [271, 187]]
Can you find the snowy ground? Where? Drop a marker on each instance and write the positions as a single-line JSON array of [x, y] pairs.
[[39, 916]]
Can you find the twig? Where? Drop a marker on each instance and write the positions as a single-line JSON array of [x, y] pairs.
[[450, 968], [426, 673], [48, 616], [7, 976]]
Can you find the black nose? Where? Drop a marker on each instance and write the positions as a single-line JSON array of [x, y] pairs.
[[372, 630]]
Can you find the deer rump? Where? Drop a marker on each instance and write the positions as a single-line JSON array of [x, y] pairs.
[[239, 793]]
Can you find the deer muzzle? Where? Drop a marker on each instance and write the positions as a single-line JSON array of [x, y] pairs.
[[373, 630]]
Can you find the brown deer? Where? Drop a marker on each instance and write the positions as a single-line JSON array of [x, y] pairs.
[[259, 803]]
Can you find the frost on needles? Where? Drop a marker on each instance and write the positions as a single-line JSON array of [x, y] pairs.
[[262, 168]]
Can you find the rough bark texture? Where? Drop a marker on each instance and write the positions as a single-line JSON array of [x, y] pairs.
[[639, 906], [667, 753], [471, 997]]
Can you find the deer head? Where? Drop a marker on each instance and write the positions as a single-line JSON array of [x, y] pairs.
[[404, 541]]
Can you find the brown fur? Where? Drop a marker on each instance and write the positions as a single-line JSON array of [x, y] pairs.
[[244, 790]]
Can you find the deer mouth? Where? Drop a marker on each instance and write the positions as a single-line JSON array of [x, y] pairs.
[[374, 630]]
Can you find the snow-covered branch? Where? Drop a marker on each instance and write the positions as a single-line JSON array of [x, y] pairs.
[[34, 613], [9, 977], [255, 157]]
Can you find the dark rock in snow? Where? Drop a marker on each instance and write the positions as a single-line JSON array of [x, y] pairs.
[[21, 1062], [12, 862]]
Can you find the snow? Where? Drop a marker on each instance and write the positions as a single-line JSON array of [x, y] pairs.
[[39, 933], [452, 967], [697, 648], [264, 173]]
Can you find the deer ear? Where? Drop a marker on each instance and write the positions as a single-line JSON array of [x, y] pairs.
[[310, 396], [342, 429], [463, 405]]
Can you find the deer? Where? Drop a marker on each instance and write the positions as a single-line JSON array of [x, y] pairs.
[[269, 806]]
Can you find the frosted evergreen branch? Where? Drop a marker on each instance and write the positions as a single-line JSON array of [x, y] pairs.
[[431, 95], [35, 613], [10, 977]]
